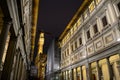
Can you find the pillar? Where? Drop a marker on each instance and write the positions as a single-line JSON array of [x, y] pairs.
[[3, 37], [17, 64], [72, 77], [76, 73], [88, 71], [13, 68], [19, 69], [109, 69], [22, 72], [81, 73], [9, 59], [66, 74], [62, 75], [98, 71]]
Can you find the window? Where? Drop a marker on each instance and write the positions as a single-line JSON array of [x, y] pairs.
[[104, 21], [92, 6], [71, 47], [62, 55], [88, 34], [65, 54], [81, 54], [67, 51], [80, 41], [95, 28], [118, 5], [75, 44]]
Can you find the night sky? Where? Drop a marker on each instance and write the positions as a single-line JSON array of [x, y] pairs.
[[53, 17]]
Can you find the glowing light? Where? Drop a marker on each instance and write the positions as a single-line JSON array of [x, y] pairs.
[[118, 39], [41, 43]]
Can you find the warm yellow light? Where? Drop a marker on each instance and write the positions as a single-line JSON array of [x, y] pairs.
[[40, 49], [41, 43], [41, 39]]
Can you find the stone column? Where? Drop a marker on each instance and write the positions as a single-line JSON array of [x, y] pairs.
[[66, 76], [3, 36], [9, 59], [76, 73], [22, 72], [71, 73], [109, 69], [17, 64], [61, 77], [13, 68], [81, 73], [88, 71], [18, 72], [21, 68], [98, 71]]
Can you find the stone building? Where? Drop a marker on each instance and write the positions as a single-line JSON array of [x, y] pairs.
[[90, 44], [16, 33], [41, 57]]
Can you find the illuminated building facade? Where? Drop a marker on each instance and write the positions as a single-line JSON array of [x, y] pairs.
[[90, 44], [40, 60], [40, 63], [15, 38]]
